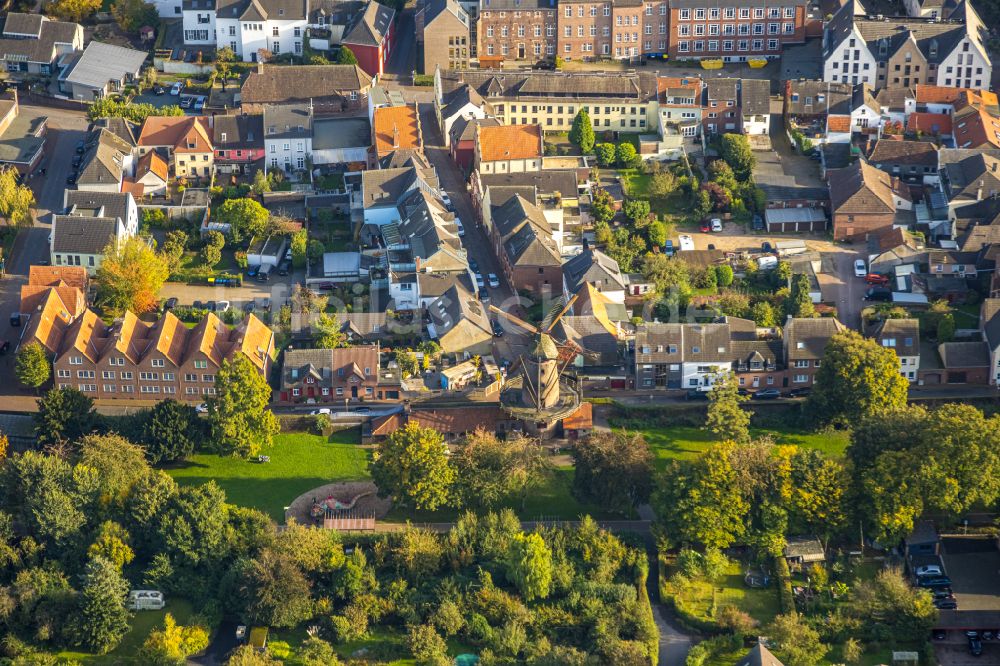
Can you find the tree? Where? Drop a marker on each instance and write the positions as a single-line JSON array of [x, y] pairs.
[[726, 419], [171, 431], [211, 255], [407, 362], [724, 275], [637, 210], [582, 132], [491, 471], [733, 304], [32, 365], [171, 645], [15, 200], [613, 469], [605, 153], [736, 151], [314, 651], [601, 205], [796, 643], [327, 332], [346, 56], [273, 589], [657, 233], [173, 248], [411, 466], [799, 303], [946, 328], [699, 502], [111, 544], [662, 185], [763, 314], [300, 246], [891, 609], [118, 463], [74, 11], [246, 217], [852, 650], [224, 59], [101, 619], [261, 183], [130, 276], [239, 413], [134, 14], [626, 155], [427, 646], [315, 250], [529, 566], [64, 415], [857, 378], [816, 503], [247, 655], [702, 204]]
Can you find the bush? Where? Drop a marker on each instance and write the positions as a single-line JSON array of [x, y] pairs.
[[785, 595]]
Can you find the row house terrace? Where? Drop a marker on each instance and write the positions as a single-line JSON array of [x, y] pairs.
[[516, 30], [734, 31], [132, 359], [615, 101]]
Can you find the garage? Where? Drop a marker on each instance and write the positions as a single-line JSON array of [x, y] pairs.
[[789, 220]]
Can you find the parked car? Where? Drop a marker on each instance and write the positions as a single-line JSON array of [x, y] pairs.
[[695, 394], [928, 570], [158, 90], [942, 592], [757, 223], [878, 294], [766, 247], [934, 581], [668, 248], [77, 161], [461, 229], [252, 271], [716, 225], [484, 295], [474, 265], [15, 318], [363, 410], [176, 89], [497, 330], [686, 243], [946, 604], [4, 347], [284, 267], [975, 644], [71, 179], [199, 103], [767, 394], [81, 146], [221, 306], [860, 269], [705, 227], [800, 392], [169, 304], [876, 279], [446, 200], [321, 410], [480, 282], [493, 280]]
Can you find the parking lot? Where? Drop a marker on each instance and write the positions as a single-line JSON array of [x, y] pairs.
[[973, 564]]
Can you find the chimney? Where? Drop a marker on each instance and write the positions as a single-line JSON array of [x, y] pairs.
[[979, 191], [260, 66], [395, 136]]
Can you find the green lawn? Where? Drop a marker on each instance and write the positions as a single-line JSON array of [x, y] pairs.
[[142, 623], [635, 183], [299, 462], [552, 501], [703, 599], [685, 442]]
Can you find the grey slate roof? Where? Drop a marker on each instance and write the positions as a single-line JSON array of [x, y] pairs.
[[242, 132], [385, 187], [287, 121], [18, 23], [806, 339], [40, 49], [458, 98], [707, 342], [101, 63], [287, 83], [110, 204], [525, 233], [332, 133], [908, 153], [659, 343], [261, 10], [964, 354], [759, 656], [434, 8], [553, 85], [372, 26], [590, 334], [899, 331], [459, 306], [809, 98], [464, 129], [990, 316], [545, 182], [82, 235], [595, 267], [755, 97], [973, 177], [722, 89], [102, 163]]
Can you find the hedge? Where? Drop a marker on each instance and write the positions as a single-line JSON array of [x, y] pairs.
[[785, 595]]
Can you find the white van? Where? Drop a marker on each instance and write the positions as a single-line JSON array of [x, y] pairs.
[[686, 243], [767, 263], [145, 600]]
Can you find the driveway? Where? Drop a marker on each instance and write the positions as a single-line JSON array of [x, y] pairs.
[[972, 564]]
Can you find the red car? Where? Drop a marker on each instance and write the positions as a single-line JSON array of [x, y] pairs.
[[875, 278], [706, 227]]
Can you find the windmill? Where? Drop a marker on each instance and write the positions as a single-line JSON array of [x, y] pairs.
[[546, 361]]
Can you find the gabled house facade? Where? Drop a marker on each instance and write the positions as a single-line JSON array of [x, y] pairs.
[[372, 36], [864, 199], [185, 141], [902, 336], [32, 44], [324, 376]]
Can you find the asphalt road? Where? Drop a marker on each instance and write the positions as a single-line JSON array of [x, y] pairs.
[[402, 58]]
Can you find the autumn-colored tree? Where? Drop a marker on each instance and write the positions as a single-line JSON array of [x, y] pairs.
[[130, 276], [15, 200]]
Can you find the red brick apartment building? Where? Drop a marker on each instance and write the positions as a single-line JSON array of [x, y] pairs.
[[516, 30], [734, 31]]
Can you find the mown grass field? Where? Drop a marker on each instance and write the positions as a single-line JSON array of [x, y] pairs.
[[299, 462]]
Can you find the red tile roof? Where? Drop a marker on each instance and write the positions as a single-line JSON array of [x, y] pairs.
[[581, 419], [839, 123], [396, 127], [930, 123], [509, 142]]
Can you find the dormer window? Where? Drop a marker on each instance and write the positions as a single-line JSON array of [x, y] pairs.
[[223, 136]]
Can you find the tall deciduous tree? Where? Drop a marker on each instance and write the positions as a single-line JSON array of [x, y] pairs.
[[626, 155], [224, 59], [797, 643], [64, 415], [111, 543], [529, 566], [738, 155], [726, 419], [491, 470], [699, 502], [799, 303], [326, 331], [246, 217], [101, 620], [857, 378], [74, 10], [605, 153], [816, 505], [637, 210], [119, 465], [130, 276], [346, 57], [763, 314], [581, 134], [132, 15], [241, 421], [274, 590], [171, 645], [657, 233], [411, 466], [613, 469], [15, 200], [32, 365]]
